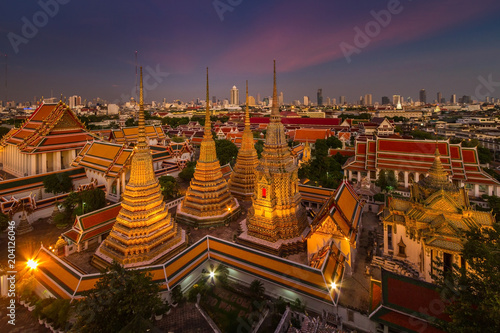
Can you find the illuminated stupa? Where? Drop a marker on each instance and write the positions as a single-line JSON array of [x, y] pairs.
[[145, 232], [242, 182], [208, 202], [277, 220]]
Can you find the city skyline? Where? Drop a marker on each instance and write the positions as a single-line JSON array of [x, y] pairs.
[[89, 49]]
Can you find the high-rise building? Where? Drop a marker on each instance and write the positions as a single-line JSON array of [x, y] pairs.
[[251, 101], [235, 96], [306, 100], [368, 99], [258, 98], [342, 100], [319, 96], [439, 97], [423, 96], [385, 100], [396, 99], [453, 99], [328, 101], [214, 100], [280, 99], [74, 101]]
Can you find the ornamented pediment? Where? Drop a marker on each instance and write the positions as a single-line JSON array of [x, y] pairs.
[[328, 226], [442, 202], [66, 122]]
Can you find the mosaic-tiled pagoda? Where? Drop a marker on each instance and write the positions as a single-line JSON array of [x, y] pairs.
[[145, 232], [428, 226], [277, 220], [208, 202], [242, 182]]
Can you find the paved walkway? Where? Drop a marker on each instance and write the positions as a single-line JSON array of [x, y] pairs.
[[25, 321], [184, 318]]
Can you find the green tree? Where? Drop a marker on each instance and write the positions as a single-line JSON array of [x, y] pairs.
[[320, 149], [58, 183], [3, 131], [93, 199], [131, 122], [178, 139], [472, 295], [187, 173], [333, 142], [118, 297], [257, 289], [226, 151], [169, 187], [259, 147], [386, 179]]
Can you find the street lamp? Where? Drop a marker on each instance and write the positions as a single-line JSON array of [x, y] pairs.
[[84, 207], [32, 264]]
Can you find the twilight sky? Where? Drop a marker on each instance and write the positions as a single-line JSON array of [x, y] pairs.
[[87, 47]]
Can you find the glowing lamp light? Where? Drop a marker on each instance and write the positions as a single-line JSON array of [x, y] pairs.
[[334, 285], [212, 274], [32, 264], [229, 209]]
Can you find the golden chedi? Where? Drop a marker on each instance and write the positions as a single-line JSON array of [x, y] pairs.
[[208, 202], [242, 182], [277, 220], [145, 232]]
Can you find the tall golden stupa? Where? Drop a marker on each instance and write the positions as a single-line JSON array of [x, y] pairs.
[[277, 220], [208, 202], [145, 232], [242, 182]]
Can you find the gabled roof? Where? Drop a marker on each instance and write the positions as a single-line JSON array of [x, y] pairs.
[[311, 134], [51, 127], [129, 135], [405, 304], [93, 224], [344, 209], [106, 157]]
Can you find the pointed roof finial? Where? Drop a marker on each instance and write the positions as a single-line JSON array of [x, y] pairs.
[[247, 114], [208, 127], [142, 131], [275, 107]]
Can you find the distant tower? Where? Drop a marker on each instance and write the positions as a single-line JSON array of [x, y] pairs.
[[144, 232], [385, 100], [208, 201], [453, 99], [342, 100], [277, 219], [306, 100], [396, 99], [235, 96], [280, 99], [423, 96], [242, 182], [368, 99], [439, 97], [319, 96]]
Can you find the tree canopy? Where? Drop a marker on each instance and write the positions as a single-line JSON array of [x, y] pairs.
[[58, 183], [187, 173], [472, 296], [119, 297], [169, 187], [226, 151], [386, 180]]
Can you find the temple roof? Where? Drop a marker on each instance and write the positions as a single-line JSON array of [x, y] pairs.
[[51, 127], [403, 303], [462, 163], [438, 177], [128, 135], [344, 209], [108, 158]]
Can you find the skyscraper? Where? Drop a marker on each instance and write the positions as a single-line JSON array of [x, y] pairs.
[[342, 100], [235, 96], [385, 100], [306, 100], [439, 97], [453, 99], [396, 99], [280, 99], [423, 96], [320, 97], [368, 99]]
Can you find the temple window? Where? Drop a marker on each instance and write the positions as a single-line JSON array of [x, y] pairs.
[[402, 248], [264, 192], [389, 237]]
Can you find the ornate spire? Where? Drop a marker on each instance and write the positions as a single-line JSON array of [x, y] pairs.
[[242, 182], [141, 141], [438, 177], [208, 127], [144, 231], [275, 111]]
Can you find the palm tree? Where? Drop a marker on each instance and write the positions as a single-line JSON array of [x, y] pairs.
[[257, 288], [221, 274]]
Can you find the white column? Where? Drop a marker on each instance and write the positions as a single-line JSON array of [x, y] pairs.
[[491, 191], [33, 164], [417, 177], [44, 163], [498, 190], [406, 179], [57, 161], [476, 190], [359, 176], [350, 174]]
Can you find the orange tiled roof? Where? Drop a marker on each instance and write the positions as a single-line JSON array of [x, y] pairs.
[[108, 158]]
